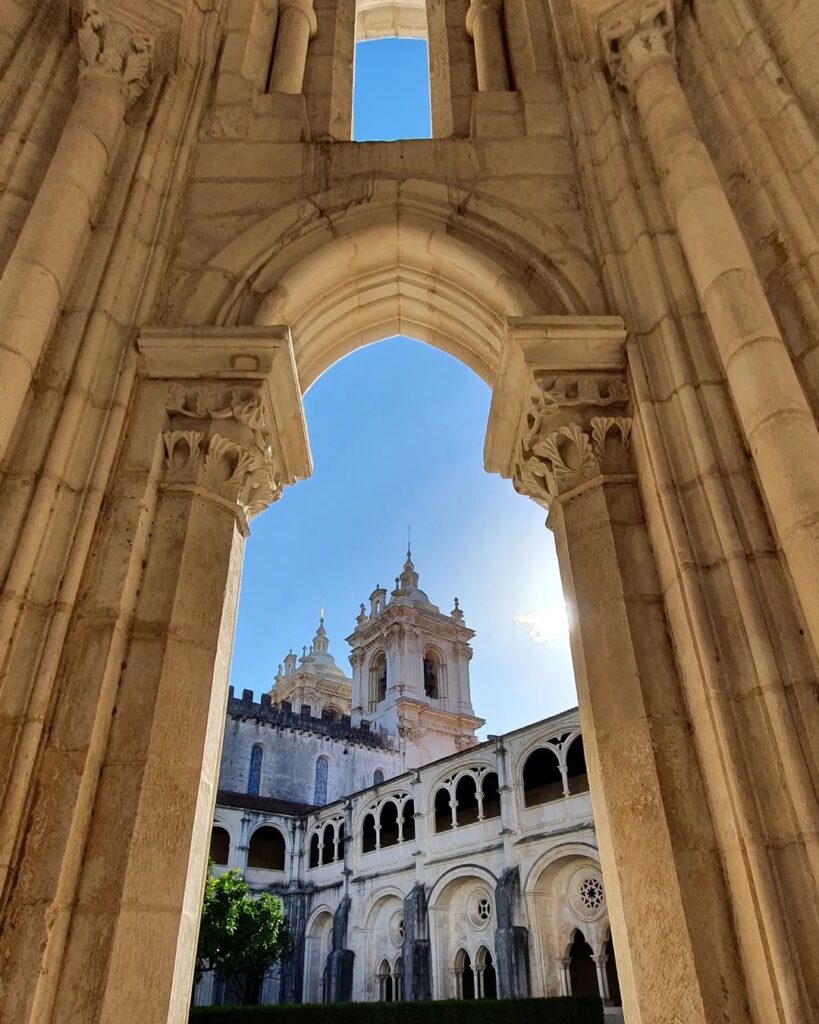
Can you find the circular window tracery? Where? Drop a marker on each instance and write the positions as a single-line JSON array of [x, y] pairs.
[[397, 928], [479, 908], [591, 893]]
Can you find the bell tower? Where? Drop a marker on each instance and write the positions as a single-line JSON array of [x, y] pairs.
[[411, 671]]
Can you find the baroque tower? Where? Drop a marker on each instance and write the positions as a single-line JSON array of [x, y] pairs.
[[411, 671]]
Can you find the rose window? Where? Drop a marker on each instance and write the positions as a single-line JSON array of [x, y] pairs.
[[484, 909], [591, 893]]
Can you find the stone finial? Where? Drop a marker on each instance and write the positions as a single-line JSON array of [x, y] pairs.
[[109, 47], [362, 616], [456, 612], [636, 35]]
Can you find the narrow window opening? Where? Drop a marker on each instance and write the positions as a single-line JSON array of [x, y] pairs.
[[466, 800], [576, 767], [254, 777], [320, 789], [443, 811], [389, 824], [431, 677], [490, 792], [219, 845], [391, 94], [582, 971], [408, 821], [368, 834]]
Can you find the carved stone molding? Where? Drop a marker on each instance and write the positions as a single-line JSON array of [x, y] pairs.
[[560, 409], [110, 47], [635, 36], [226, 450], [237, 437]]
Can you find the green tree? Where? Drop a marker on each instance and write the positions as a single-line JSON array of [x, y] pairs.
[[241, 936]]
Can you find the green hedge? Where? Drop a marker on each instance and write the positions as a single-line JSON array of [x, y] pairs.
[[489, 1011]]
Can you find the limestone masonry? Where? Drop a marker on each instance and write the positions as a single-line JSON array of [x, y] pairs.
[[615, 225]]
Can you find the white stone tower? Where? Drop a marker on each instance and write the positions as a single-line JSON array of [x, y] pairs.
[[411, 671]]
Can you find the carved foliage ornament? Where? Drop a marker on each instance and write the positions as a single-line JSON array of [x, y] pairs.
[[565, 445], [228, 453], [636, 35], [112, 48]]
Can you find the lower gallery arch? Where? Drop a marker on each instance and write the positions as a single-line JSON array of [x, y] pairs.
[[383, 941], [318, 942], [462, 921], [565, 898]]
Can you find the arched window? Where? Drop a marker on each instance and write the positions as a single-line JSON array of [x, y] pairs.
[[315, 850], [340, 843], [389, 824], [320, 788], [254, 777], [582, 971], [328, 845], [611, 973], [576, 767], [542, 780], [464, 975], [432, 676], [219, 845], [368, 834], [408, 821], [466, 800], [378, 777], [443, 810], [332, 714], [398, 980], [378, 679], [385, 987], [490, 795], [266, 849], [487, 979]]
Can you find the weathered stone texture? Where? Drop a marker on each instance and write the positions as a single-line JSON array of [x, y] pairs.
[[643, 160]]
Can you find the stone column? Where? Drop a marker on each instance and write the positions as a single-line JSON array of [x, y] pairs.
[[779, 428], [602, 980], [101, 922], [296, 27], [339, 984], [484, 23], [114, 67], [560, 427], [511, 939], [416, 954]]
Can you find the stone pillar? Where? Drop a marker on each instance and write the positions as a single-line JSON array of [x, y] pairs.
[[511, 939], [416, 954], [296, 27], [484, 23], [297, 907], [602, 980], [339, 984], [114, 67], [772, 409], [102, 917], [560, 427]]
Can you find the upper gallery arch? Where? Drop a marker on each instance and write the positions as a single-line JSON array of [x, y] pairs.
[[441, 264]]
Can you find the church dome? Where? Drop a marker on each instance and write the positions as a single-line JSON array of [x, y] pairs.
[[406, 586]]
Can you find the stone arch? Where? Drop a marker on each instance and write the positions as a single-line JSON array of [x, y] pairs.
[[454, 922], [267, 848], [383, 936], [549, 888], [438, 263], [318, 942]]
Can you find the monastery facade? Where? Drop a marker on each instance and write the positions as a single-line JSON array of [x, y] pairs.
[[413, 861]]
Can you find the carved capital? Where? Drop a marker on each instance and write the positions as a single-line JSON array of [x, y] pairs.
[[238, 436], [560, 410], [218, 441], [635, 37], [111, 48]]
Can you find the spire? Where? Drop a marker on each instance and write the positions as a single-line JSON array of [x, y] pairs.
[[409, 577], [320, 642]]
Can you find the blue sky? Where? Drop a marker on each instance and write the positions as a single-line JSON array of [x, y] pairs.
[[396, 431]]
